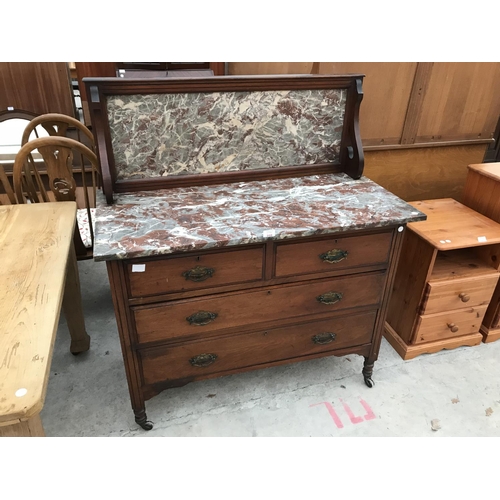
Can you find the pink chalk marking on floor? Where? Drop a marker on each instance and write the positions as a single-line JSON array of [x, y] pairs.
[[369, 412], [350, 414], [332, 413]]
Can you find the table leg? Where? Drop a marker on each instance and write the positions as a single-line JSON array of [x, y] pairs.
[[72, 307], [30, 428]]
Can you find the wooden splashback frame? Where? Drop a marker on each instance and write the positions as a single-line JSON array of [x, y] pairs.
[[351, 150]]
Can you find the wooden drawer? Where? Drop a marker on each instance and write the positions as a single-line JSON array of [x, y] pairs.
[[219, 355], [179, 273], [447, 295], [241, 309], [331, 254], [438, 326]]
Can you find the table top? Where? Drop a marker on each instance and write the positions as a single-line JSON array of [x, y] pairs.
[[487, 169], [34, 243], [451, 225], [181, 219]]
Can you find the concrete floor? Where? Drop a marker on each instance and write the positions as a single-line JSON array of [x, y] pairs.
[[88, 395]]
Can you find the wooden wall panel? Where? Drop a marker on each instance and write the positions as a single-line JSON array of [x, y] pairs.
[[269, 68], [423, 173], [462, 102], [40, 87], [84, 69], [386, 88]]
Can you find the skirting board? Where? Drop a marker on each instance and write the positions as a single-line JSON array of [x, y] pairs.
[[412, 351]]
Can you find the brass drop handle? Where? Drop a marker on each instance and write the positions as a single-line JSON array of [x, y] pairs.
[[464, 297], [201, 318], [453, 327], [324, 338], [199, 273], [330, 298], [334, 256], [203, 360]]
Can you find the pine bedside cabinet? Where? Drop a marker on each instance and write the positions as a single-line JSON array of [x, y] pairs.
[[446, 276]]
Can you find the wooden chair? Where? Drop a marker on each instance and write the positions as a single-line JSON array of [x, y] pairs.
[[58, 155], [56, 124]]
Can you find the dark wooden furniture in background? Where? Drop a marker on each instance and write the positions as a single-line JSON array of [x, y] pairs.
[[38, 87], [445, 279], [421, 123], [482, 194], [105, 69], [194, 301]]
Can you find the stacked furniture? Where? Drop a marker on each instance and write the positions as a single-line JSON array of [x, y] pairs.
[[236, 225], [446, 276], [482, 193]]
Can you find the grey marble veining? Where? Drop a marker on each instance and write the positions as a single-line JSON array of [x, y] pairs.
[[194, 218], [194, 133]]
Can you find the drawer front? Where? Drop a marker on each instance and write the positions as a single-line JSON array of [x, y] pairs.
[[449, 324], [195, 317], [331, 254], [195, 359], [444, 296], [177, 274]]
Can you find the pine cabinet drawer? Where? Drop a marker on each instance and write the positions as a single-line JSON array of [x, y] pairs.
[[449, 324], [330, 254], [196, 359], [448, 295], [180, 273], [196, 317]]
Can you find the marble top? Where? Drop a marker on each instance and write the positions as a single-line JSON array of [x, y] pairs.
[[165, 221], [159, 135]]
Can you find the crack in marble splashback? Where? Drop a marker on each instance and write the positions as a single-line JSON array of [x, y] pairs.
[[156, 135], [166, 221]]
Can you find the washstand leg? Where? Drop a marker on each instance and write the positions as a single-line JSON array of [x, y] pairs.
[[368, 371], [142, 420]]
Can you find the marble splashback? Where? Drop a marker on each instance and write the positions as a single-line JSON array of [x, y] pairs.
[[156, 135], [166, 221]]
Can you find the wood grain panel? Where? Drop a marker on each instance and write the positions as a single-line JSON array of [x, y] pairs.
[[294, 258], [270, 68], [84, 69], [458, 294], [415, 263], [451, 225], [281, 304], [386, 89], [414, 111], [166, 364], [462, 102], [40, 87], [34, 244], [432, 327], [423, 173], [208, 270]]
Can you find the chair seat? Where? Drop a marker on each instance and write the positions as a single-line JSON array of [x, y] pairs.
[[82, 218]]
